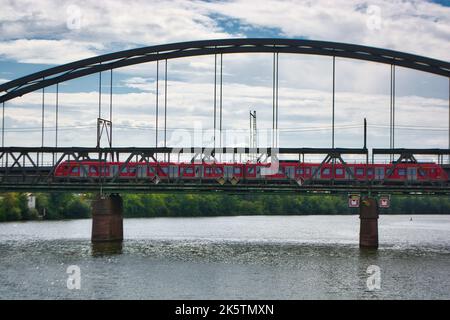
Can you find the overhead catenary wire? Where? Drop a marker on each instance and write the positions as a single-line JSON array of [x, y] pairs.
[[56, 114], [215, 101], [289, 129], [56, 120], [220, 101], [333, 101], [42, 123], [275, 100], [111, 106], [99, 94], [276, 117], [157, 104], [165, 105], [3, 127]]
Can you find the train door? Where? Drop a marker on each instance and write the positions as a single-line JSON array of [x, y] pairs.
[[250, 171], [114, 170], [173, 171], [290, 171], [198, 171], [379, 173], [411, 174], [350, 173], [315, 172], [228, 172], [141, 171], [84, 171]]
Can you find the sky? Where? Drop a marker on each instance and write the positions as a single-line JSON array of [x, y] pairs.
[[35, 35]]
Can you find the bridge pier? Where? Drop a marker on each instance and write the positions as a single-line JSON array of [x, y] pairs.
[[107, 219], [368, 230]]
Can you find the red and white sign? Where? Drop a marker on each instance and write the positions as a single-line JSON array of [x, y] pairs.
[[384, 202], [353, 201]]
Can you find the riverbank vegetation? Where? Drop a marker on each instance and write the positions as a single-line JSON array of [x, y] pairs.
[[54, 206]]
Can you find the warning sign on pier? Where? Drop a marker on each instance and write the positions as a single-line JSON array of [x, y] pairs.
[[384, 202], [353, 200]]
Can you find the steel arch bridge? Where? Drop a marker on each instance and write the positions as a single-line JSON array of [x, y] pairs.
[[21, 169], [77, 69]]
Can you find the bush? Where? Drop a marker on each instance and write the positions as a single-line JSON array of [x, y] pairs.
[[77, 209]]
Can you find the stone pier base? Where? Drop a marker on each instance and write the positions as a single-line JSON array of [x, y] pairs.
[[107, 219], [368, 215]]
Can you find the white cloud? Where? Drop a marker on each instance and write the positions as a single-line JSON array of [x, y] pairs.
[[412, 26], [92, 29], [47, 51]]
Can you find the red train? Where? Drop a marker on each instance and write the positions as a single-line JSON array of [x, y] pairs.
[[236, 172]]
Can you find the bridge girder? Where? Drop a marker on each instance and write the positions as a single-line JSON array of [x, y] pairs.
[[77, 69]]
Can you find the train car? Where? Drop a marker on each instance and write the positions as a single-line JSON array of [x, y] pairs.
[[285, 172]]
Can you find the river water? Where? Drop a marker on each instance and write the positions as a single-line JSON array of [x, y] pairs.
[[248, 257]]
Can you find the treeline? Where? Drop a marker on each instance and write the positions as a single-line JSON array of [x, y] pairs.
[[54, 206], [180, 205]]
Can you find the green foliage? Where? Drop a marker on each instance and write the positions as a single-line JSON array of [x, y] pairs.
[[76, 208], [13, 206]]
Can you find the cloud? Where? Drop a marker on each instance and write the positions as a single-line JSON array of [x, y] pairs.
[[47, 51], [116, 25], [86, 28], [304, 116], [389, 24]]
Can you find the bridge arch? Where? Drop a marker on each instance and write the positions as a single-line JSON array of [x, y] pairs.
[[81, 68]]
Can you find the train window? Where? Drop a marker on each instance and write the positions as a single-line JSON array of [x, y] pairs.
[[251, 170], [124, 170], [369, 171], [433, 171], [339, 171], [401, 172], [388, 172], [359, 171], [190, 170], [151, 170], [300, 170], [218, 171], [165, 170], [307, 170], [422, 173], [93, 170], [132, 169], [75, 169], [237, 170], [326, 171]]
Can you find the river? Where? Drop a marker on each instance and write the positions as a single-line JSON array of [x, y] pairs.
[[245, 257]]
